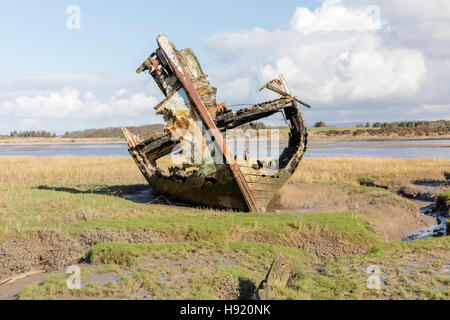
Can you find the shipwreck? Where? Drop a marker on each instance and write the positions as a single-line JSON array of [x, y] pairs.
[[193, 117]]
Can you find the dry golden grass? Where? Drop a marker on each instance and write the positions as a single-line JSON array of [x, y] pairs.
[[21, 171], [352, 170]]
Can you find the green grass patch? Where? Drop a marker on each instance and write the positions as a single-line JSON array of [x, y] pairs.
[[194, 225], [73, 209]]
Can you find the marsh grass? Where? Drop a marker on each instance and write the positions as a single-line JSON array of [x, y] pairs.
[[353, 171], [41, 194], [73, 195], [35, 171], [28, 171]]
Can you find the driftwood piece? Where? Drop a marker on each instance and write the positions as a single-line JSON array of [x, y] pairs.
[[277, 276]]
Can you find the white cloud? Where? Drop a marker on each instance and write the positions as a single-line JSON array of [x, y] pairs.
[[30, 124], [240, 88], [69, 109], [333, 17], [332, 55], [433, 110], [418, 8], [345, 56]]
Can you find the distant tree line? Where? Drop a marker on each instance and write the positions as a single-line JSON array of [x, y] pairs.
[[411, 124], [360, 125], [405, 124], [32, 134], [142, 131], [402, 129]]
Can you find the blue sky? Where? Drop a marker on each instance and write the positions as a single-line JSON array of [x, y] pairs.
[[115, 35], [353, 60]]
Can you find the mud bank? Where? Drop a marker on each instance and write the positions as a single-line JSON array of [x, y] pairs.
[[9, 290], [390, 215], [396, 218], [52, 250], [425, 195]]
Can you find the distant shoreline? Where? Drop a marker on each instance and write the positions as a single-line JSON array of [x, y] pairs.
[[89, 141], [59, 141], [376, 138]]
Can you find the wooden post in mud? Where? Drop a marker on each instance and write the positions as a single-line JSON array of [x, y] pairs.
[[277, 276]]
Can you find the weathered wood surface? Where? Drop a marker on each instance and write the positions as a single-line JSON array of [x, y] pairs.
[[265, 186], [197, 189], [232, 120], [278, 276]]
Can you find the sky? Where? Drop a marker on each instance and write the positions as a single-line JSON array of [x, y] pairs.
[[352, 60]]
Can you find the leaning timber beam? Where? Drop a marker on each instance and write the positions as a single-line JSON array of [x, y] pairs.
[[232, 120]]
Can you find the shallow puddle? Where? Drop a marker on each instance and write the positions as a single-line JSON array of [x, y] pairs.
[[143, 196], [10, 290]]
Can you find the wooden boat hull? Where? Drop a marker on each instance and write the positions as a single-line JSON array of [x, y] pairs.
[[247, 185]]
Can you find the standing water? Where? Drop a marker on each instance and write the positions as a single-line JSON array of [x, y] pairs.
[[408, 149]]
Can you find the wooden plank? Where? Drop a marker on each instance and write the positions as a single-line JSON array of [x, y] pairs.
[[188, 184], [175, 186], [256, 187], [265, 180]]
